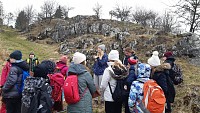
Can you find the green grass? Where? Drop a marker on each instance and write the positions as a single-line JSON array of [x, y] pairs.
[[10, 40]]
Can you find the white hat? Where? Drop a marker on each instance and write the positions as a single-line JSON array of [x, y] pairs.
[[154, 59], [78, 58], [113, 55]]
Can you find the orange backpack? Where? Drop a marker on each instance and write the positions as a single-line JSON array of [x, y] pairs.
[[154, 97]]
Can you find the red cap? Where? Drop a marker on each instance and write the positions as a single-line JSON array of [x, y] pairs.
[[132, 61], [168, 54]]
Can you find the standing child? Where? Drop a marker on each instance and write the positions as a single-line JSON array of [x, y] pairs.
[[11, 93], [136, 92]]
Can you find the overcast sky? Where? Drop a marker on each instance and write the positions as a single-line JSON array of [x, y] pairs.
[[84, 7]]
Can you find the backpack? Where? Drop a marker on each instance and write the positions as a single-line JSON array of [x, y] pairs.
[[177, 74], [25, 74], [71, 90], [56, 82], [41, 101], [154, 97], [119, 92]]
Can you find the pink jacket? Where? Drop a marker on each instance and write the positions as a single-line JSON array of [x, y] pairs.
[[5, 72], [63, 67]]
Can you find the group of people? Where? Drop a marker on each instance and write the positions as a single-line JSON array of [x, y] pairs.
[[107, 69]]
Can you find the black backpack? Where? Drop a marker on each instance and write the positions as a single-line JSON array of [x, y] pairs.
[[177, 75], [120, 92]]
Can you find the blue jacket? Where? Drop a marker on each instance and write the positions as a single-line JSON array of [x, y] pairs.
[[131, 76], [100, 65], [136, 92]]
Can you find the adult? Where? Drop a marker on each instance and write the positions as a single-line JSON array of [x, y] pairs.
[[114, 71], [4, 74], [86, 85], [32, 61], [128, 52], [99, 66], [10, 92]]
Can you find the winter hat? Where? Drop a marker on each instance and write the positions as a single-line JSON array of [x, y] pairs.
[[102, 47], [64, 58], [113, 55], [132, 61], [17, 55], [50, 65], [31, 53], [78, 58], [154, 59], [40, 71], [168, 54]]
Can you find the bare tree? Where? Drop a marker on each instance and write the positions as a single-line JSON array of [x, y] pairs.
[[97, 9], [30, 13], [1, 13], [145, 17], [168, 22], [9, 18], [48, 8], [65, 11], [111, 13], [121, 13], [189, 10]]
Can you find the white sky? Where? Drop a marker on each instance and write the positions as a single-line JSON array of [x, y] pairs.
[[84, 7]]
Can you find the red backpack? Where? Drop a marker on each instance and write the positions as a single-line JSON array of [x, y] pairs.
[[71, 90], [154, 98], [56, 82]]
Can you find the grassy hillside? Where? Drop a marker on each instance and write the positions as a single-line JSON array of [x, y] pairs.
[[10, 40], [187, 97]]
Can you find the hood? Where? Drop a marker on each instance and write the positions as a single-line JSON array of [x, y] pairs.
[[60, 64], [143, 70], [117, 72], [77, 68], [162, 67], [22, 64]]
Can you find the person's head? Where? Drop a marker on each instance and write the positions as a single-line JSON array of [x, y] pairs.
[[128, 51], [167, 55], [50, 65], [154, 59], [40, 71], [113, 56], [15, 55], [79, 58], [143, 70], [31, 55], [101, 47], [132, 61], [64, 59]]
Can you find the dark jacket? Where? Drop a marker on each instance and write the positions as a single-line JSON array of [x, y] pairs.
[[14, 79], [171, 61], [32, 62], [125, 60], [84, 81], [100, 65], [161, 76], [131, 77]]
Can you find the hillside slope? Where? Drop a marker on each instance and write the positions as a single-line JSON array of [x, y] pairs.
[[187, 97], [10, 40]]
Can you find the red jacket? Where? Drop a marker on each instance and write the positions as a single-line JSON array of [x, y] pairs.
[[4, 74], [63, 67]]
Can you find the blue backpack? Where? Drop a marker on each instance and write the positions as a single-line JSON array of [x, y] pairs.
[[25, 74]]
